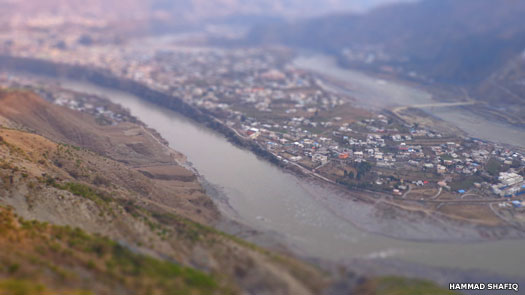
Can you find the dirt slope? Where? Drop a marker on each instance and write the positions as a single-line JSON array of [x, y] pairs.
[[152, 207], [131, 144], [126, 142]]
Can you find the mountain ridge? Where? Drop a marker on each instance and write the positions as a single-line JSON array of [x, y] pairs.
[[474, 45], [420, 35]]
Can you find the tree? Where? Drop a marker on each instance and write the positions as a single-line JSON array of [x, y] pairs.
[[493, 166], [363, 167]]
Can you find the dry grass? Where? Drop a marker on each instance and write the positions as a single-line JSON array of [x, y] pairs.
[[480, 214]]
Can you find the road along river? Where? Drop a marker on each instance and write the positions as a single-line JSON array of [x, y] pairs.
[[269, 199]]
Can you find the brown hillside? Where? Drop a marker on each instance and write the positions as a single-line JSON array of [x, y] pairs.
[[125, 142], [38, 259], [151, 206], [64, 185], [160, 179]]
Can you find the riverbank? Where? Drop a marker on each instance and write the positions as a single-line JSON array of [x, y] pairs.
[[104, 78], [378, 93], [382, 216], [269, 200], [444, 92], [282, 206]]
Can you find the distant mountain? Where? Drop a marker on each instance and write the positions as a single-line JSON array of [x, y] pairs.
[[446, 40], [505, 89], [199, 9]]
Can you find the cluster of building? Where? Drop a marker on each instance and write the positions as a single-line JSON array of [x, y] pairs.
[[387, 149], [99, 108], [510, 184], [262, 96]]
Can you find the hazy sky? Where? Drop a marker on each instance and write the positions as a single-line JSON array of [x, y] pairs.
[[286, 8], [195, 10], [309, 8], [361, 5]]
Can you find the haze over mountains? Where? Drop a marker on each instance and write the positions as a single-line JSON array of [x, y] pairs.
[[186, 10], [453, 41], [474, 44], [456, 42]]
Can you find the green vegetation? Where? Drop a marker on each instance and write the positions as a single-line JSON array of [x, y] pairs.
[[493, 167], [52, 255], [446, 157], [185, 229], [87, 192], [28, 287], [360, 180], [355, 184], [362, 169], [78, 189], [21, 287], [465, 182]]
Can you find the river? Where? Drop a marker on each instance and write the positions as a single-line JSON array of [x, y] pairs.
[[269, 199], [375, 93]]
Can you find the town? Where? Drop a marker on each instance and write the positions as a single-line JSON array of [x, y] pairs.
[[289, 112]]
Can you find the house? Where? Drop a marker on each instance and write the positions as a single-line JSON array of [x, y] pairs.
[[441, 169], [358, 154], [296, 158], [510, 178], [396, 137], [343, 156], [253, 133], [320, 158]]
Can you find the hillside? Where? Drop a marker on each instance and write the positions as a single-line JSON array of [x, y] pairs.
[[120, 214], [76, 221], [472, 45], [129, 142], [38, 258], [450, 41], [72, 186], [156, 173], [506, 88]]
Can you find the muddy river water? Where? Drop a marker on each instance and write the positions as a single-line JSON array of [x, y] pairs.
[[269, 199]]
